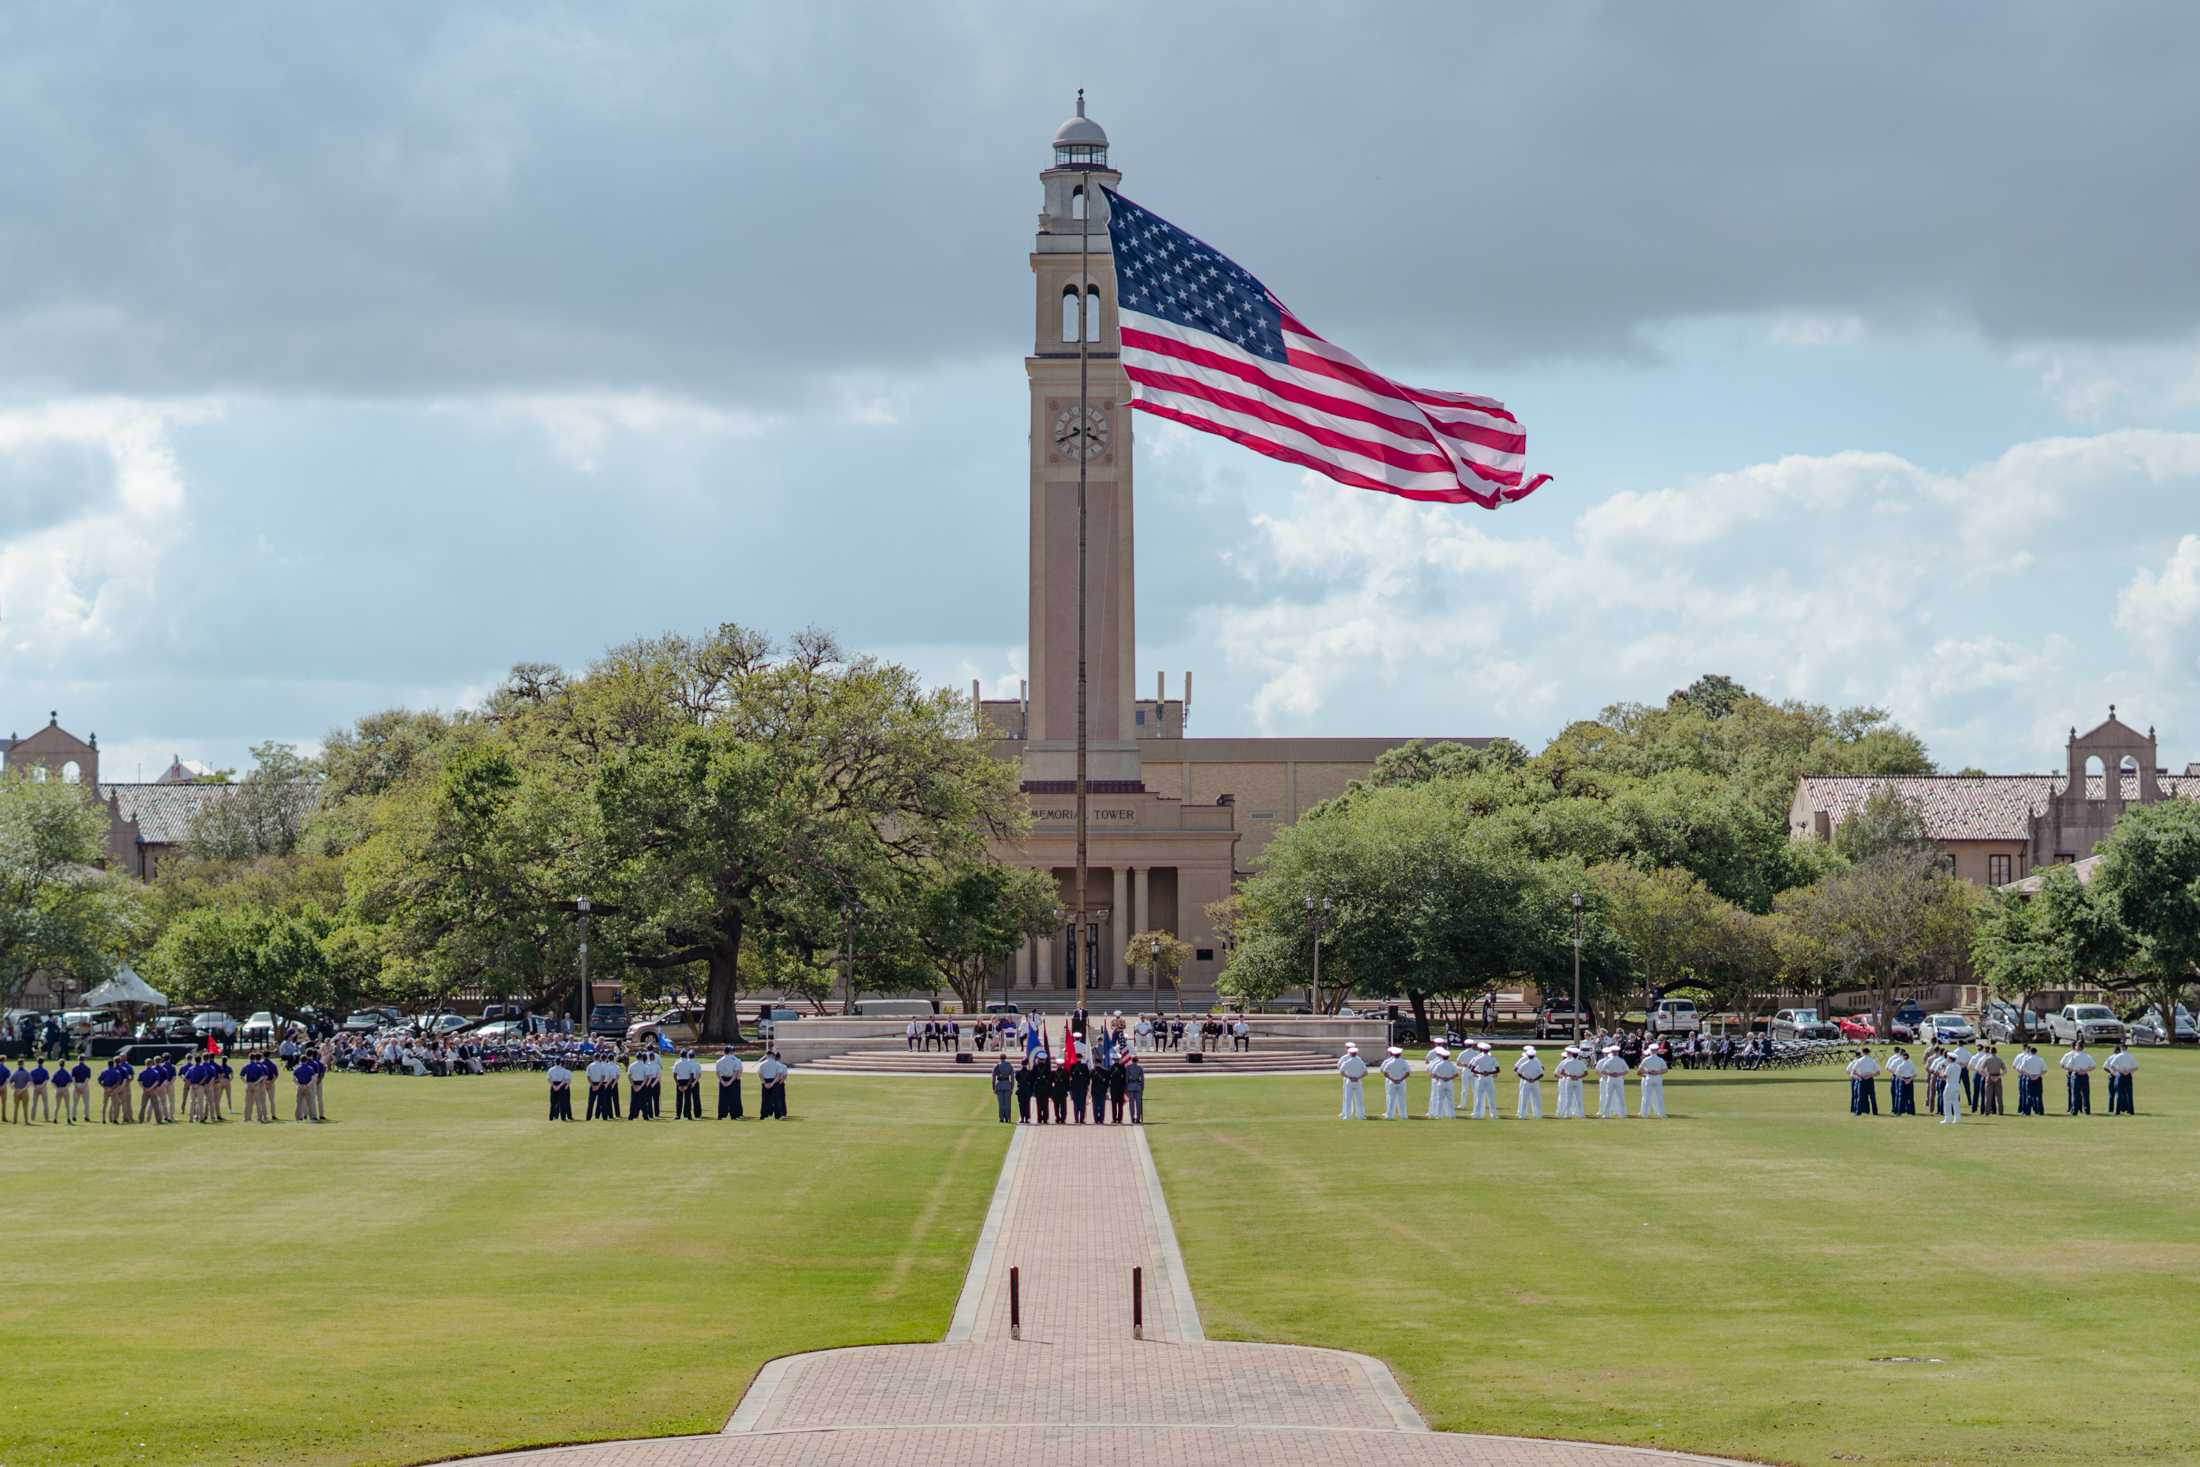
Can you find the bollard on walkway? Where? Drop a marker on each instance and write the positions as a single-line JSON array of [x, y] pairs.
[[1138, 1303], [1015, 1303]]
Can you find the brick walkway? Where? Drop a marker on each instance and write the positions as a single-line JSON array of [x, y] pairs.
[[1075, 1210]]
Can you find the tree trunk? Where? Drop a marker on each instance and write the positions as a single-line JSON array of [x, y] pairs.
[[1419, 1001], [721, 1011]]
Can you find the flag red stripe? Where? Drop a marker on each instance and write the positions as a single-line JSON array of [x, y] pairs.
[[1329, 468], [1432, 462]]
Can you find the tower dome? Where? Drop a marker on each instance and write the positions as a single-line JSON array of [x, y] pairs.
[[1080, 142]]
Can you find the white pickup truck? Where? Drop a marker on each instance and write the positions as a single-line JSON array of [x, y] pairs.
[[1675, 1016], [2096, 1023]]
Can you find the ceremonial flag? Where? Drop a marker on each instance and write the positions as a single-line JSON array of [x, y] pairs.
[[1207, 345]]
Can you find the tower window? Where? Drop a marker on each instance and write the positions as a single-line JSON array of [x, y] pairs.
[[1077, 202], [1069, 313], [1092, 313]]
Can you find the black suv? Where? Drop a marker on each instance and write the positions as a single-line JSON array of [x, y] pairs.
[[608, 1019]]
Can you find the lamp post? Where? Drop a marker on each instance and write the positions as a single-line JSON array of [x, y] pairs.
[[1153, 972], [1317, 917], [1577, 967], [580, 1015]]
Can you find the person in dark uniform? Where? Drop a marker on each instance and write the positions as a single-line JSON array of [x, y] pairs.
[[1134, 1087], [1004, 1086], [729, 1086], [1080, 1082], [1042, 1088], [1119, 1085], [561, 1090], [1023, 1092], [1080, 1019], [1058, 1090]]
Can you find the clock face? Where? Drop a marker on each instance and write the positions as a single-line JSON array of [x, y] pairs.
[[1086, 439]]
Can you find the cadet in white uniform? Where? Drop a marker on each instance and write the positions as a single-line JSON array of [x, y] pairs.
[[1652, 1070], [2078, 1078], [1529, 1099], [1901, 1080], [1951, 1090], [1484, 1065], [687, 1087], [1611, 1086], [729, 1086], [1862, 1070], [1353, 1069], [1395, 1070], [2121, 1066], [1572, 1068], [561, 1091], [2030, 1068], [1441, 1072]]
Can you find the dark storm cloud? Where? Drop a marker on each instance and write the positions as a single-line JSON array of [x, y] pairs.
[[732, 201]]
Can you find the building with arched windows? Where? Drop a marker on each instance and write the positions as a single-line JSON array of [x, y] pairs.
[[1997, 828], [147, 822]]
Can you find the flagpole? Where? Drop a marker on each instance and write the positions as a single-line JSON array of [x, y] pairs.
[[1083, 440]]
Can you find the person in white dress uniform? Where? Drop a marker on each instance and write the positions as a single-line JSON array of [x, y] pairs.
[[1441, 1072], [1951, 1090], [1611, 1086], [1395, 1070], [1652, 1070], [2120, 1067], [1353, 1069], [1571, 1069], [1529, 1071], [2078, 1078], [2031, 1070], [1484, 1066]]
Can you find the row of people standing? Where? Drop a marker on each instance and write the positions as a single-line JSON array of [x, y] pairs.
[[1473, 1078], [643, 1073], [1044, 1091], [203, 1086], [1958, 1077]]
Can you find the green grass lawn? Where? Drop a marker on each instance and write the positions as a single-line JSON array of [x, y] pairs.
[[438, 1271], [1721, 1282]]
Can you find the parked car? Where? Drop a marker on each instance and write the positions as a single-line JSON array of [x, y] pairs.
[[1801, 1024], [265, 1027], [2005, 1023], [1674, 1016], [678, 1026], [444, 1023], [491, 1013], [1907, 1016], [2095, 1023], [1555, 1020], [84, 1023], [501, 1030], [2148, 1018], [366, 1021], [213, 1021], [607, 1019], [1946, 1029], [1857, 1026], [1003, 1008]]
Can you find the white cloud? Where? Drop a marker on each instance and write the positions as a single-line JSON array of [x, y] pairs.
[[1848, 577], [2155, 609], [1815, 331], [580, 425], [92, 577]]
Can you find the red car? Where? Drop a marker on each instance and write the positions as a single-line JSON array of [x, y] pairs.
[[1858, 1026]]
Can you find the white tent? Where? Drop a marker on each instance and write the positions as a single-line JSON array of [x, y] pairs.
[[124, 987]]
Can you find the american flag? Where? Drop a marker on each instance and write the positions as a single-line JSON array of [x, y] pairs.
[[1207, 345]]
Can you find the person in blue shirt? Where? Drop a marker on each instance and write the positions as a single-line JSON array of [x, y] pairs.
[[107, 1079], [303, 1074], [148, 1080], [19, 1092], [41, 1100], [80, 1087], [64, 1093]]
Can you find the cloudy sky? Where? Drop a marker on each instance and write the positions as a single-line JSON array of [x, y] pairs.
[[349, 354]]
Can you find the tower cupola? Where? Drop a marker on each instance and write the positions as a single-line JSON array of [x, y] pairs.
[[1080, 142]]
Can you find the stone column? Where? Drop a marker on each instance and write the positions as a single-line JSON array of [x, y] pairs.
[[1119, 928], [1141, 913], [1045, 973], [1023, 964]]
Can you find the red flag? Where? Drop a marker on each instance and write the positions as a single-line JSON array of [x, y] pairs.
[[1069, 1043]]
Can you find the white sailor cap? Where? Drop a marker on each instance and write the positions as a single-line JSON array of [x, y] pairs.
[[1439, 1049], [1351, 1048], [1394, 1049], [1611, 1049], [1527, 1049], [1484, 1046]]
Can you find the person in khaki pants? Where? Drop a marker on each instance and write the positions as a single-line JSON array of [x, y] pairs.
[[1990, 1070]]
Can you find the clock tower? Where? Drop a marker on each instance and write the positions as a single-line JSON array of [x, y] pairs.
[[1074, 331]]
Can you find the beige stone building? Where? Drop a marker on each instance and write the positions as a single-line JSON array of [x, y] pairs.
[[1997, 828], [147, 823], [1172, 820]]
